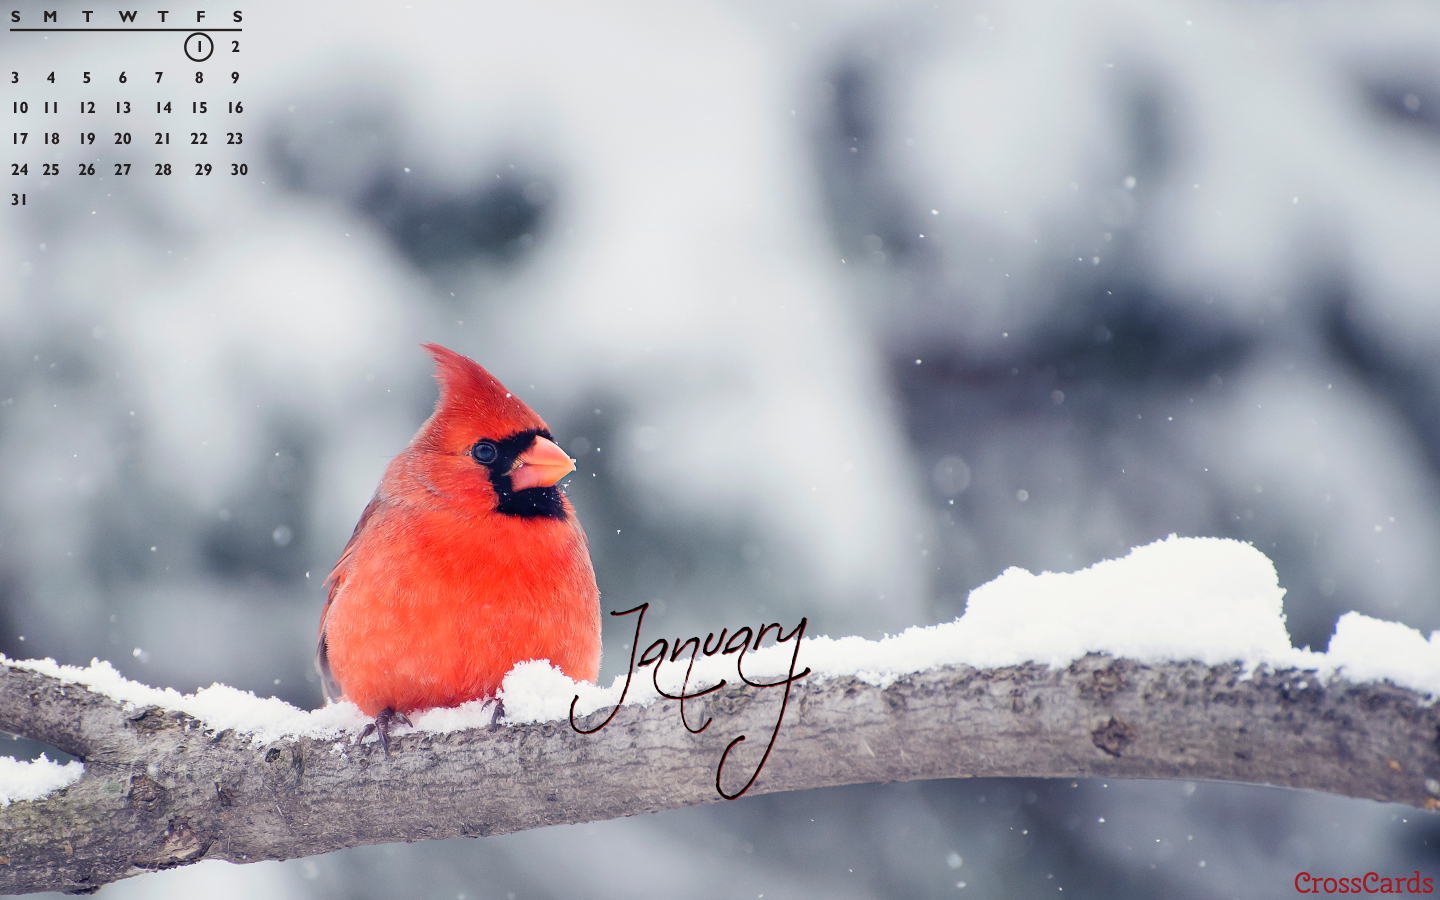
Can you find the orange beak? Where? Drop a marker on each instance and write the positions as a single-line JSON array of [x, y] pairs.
[[540, 466]]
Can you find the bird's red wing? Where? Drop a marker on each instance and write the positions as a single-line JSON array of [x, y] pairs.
[[337, 578]]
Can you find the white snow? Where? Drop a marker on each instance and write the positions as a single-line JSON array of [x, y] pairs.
[[1373, 649], [33, 779], [1209, 599], [220, 707]]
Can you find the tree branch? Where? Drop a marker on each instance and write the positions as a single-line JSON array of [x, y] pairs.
[[162, 790]]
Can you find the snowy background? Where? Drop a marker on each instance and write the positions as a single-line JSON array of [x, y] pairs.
[[842, 308]]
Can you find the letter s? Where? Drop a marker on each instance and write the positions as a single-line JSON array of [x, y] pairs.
[[237, 15]]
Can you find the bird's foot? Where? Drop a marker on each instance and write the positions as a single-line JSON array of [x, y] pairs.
[[497, 712], [387, 719]]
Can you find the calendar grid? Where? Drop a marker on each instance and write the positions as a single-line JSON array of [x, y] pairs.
[[154, 111]]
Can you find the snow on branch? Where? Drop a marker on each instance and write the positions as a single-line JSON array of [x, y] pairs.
[[1194, 679], [160, 789]]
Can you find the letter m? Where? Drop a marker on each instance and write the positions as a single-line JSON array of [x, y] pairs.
[[50, 15], [127, 16]]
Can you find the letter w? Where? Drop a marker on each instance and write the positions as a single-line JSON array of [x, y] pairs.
[[127, 16]]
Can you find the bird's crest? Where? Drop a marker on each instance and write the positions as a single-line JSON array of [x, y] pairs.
[[473, 404]]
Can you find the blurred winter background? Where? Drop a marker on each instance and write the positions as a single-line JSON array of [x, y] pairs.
[[843, 308]]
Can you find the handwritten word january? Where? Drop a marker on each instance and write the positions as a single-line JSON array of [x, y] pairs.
[[742, 640]]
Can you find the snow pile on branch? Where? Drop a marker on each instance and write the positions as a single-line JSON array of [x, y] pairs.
[[33, 779], [1208, 599], [219, 706], [1367, 649]]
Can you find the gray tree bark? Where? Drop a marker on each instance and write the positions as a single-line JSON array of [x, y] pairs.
[[162, 790]]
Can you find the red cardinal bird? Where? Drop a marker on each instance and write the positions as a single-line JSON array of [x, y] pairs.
[[467, 561]]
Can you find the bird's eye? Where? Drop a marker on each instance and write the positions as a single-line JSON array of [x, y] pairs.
[[484, 452]]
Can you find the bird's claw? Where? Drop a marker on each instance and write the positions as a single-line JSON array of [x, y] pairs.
[[387, 719]]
